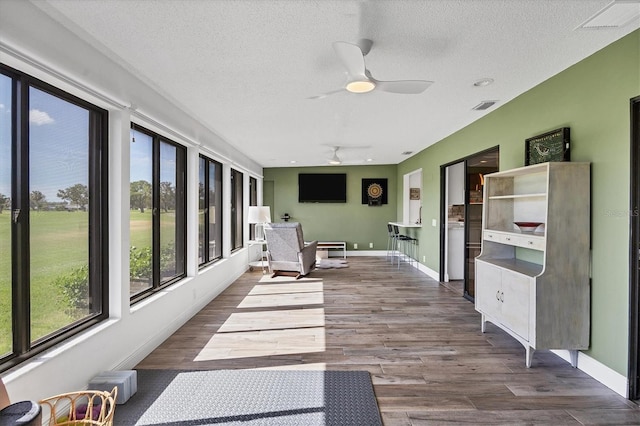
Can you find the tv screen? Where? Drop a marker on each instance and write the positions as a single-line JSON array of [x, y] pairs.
[[322, 188]]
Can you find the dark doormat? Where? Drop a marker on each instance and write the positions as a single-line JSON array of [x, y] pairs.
[[251, 397]]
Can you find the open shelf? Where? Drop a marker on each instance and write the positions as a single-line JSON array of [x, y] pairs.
[[513, 196], [520, 266]]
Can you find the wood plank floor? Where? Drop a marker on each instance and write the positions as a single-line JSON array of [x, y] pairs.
[[420, 340]]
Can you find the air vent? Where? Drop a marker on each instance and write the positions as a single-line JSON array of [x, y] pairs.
[[615, 15], [484, 105], [407, 153]]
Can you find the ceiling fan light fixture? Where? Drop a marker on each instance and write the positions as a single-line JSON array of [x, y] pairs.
[[360, 86]]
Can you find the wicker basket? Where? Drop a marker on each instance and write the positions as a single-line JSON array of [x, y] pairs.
[[90, 407]]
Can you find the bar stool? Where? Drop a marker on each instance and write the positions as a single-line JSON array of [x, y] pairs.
[[411, 250], [392, 242], [397, 241], [406, 246]]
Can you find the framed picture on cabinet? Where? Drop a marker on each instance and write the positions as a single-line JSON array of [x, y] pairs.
[[550, 146]]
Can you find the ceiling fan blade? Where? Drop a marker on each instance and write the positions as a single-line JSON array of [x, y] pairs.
[[407, 87], [351, 57], [324, 95], [354, 162]]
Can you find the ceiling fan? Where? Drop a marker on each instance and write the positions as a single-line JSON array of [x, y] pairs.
[[335, 160], [360, 79]]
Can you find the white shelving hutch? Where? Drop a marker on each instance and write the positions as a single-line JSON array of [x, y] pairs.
[[535, 286]]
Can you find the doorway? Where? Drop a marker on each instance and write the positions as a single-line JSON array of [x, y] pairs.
[[462, 184], [634, 256], [269, 199]]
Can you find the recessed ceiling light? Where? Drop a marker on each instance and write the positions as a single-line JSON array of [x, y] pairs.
[[292, 161], [369, 160], [483, 82]]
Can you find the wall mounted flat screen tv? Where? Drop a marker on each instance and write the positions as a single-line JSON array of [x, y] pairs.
[[322, 188]]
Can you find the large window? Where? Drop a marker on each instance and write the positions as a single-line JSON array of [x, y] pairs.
[[236, 209], [209, 211], [157, 223], [53, 221]]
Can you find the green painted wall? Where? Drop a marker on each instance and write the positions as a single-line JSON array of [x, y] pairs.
[[592, 98], [352, 221]]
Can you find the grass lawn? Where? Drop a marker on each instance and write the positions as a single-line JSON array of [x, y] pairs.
[[59, 244]]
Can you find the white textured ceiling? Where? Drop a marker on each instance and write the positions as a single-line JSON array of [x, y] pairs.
[[246, 68]]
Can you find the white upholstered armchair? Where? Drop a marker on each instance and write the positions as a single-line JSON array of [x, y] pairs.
[[286, 251]]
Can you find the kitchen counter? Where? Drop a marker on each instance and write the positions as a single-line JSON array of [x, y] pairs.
[[406, 224]]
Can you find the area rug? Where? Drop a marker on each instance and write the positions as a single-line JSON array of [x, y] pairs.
[[331, 263], [251, 397]]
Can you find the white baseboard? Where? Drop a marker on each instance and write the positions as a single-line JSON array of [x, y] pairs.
[[605, 375], [429, 272], [422, 268], [354, 253]]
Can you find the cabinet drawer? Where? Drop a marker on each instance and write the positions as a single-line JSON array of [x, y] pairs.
[[500, 237], [535, 242], [530, 241], [492, 236]]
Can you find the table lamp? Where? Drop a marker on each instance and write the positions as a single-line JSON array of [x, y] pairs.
[[259, 215]]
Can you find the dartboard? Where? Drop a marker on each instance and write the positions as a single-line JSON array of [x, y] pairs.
[[374, 190]]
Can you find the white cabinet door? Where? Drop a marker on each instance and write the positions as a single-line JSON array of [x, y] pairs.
[[504, 296], [515, 302], [488, 289]]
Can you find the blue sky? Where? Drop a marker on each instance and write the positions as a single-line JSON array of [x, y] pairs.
[[58, 144], [141, 154], [59, 133], [5, 134], [58, 148]]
